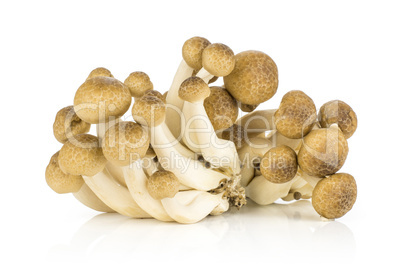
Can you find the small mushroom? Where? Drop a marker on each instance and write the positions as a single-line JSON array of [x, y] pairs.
[[82, 155], [279, 164], [296, 115], [100, 71], [138, 83], [217, 60], [192, 51], [163, 184], [67, 124], [59, 181], [124, 143], [323, 151], [338, 112], [334, 196], [254, 78], [101, 99], [221, 108]]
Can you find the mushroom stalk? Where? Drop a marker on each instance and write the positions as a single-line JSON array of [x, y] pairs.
[[87, 197], [191, 206], [174, 104], [136, 182], [114, 195]]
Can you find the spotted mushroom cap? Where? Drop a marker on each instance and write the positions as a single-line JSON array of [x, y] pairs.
[[67, 124], [59, 181], [138, 83], [194, 89], [323, 151], [154, 93], [254, 78], [100, 71], [124, 143], [149, 111], [82, 155], [221, 108], [192, 51], [338, 112], [101, 99], [334, 196], [247, 108], [218, 59], [163, 184], [296, 115], [279, 164]]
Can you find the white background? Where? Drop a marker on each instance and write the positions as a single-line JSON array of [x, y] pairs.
[[347, 50]]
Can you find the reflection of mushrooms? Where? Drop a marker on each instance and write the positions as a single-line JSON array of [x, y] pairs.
[[334, 196], [338, 112], [323, 151], [221, 108], [67, 124], [138, 83], [99, 72], [254, 78], [101, 99], [279, 164]]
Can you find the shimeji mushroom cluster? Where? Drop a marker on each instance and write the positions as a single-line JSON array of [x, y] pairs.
[[186, 154]]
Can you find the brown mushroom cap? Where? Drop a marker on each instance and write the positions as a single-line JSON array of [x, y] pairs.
[[296, 115], [163, 184], [194, 89], [247, 108], [338, 112], [138, 83], [334, 196], [101, 98], [254, 79], [218, 59], [67, 124], [192, 51], [279, 164], [323, 152], [149, 111], [100, 71], [221, 108], [236, 133], [154, 93], [124, 143], [82, 155], [59, 181]]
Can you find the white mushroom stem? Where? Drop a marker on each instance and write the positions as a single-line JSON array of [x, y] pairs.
[[264, 192], [114, 195], [173, 103], [136, 180], [87, 197], [191, 206], [258, 121], [190, 172], [204, 75], [219, 152]]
